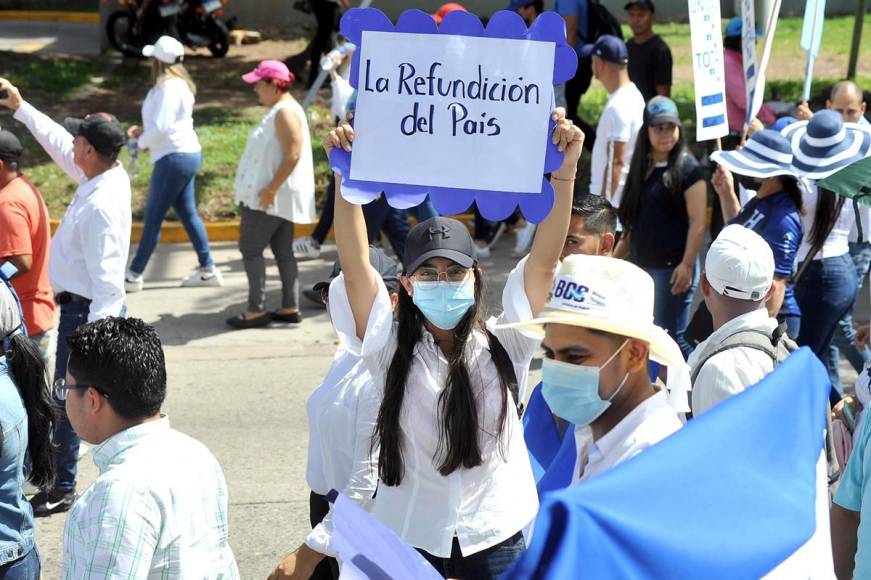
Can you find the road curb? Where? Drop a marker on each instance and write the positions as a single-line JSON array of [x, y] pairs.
[[51, 15], [173, 232]]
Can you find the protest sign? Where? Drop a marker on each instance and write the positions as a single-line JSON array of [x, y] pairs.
[[754, 105], [457, 112], [748, 54], [811, 37], [708, 75]]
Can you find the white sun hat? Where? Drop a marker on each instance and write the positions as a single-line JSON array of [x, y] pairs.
[[167, 50], [613, 296]]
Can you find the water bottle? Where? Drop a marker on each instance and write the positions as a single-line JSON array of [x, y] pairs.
[[133, 153]]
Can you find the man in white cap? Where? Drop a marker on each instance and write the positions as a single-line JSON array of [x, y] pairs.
[[746, 342], [599, 336]]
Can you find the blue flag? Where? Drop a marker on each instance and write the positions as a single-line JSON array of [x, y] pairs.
[[731, 495], [540, 433]]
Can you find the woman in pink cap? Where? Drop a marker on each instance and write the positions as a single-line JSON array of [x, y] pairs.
[[275, 188]]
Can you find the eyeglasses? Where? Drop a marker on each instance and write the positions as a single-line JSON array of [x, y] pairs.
[[452, 274], [61, 389]]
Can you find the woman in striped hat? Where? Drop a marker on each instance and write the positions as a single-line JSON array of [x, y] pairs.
[[764, 166]]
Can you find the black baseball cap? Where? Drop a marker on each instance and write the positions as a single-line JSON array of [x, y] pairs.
[[383, 264], [102, 130], [438, 237], [660, 110], [10, 146], [609, 48], [641, 4]]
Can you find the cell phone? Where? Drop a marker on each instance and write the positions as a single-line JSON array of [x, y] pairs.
[[8, 270]]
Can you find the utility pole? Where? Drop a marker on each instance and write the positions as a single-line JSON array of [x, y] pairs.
[[857, 38]]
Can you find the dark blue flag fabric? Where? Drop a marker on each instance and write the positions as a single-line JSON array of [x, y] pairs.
[[540, 433], [731, 495], [370, 550]]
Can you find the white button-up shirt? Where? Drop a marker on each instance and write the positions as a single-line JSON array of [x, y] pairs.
[[167, 120], [647, 424], [90, 247], [341, 418], [482, 506], [733, 370], [157, 510]]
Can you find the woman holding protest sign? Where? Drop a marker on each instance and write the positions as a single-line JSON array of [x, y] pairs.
[[663, 216], [455, 477]]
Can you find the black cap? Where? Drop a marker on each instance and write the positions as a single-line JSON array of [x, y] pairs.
[[607, 47], [641, 4], [383, 264], [10, 146], [102, 130], [438, 237]]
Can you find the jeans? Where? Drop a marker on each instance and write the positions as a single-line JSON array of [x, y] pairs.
[[844, 339], [824, 294], [670, 311], [318, 508], [380, 216], [172, 186], [257, 230], [793, 324], [487, 564], [26, 568], [66, 451]]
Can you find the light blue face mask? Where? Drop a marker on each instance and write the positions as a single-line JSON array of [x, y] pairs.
[[572, 391], [444, 303]]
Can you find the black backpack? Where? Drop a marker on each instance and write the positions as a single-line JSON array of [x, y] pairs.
[[600, 21]]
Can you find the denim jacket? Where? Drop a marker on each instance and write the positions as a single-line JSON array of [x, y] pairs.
[[16, 516]]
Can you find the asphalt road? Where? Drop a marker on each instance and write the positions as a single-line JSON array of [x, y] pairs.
[[49, 37]]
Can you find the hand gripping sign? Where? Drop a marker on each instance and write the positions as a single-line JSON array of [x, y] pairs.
[[458, 112]]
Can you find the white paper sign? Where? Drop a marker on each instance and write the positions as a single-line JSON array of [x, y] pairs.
[[453, 111], [710, 83]]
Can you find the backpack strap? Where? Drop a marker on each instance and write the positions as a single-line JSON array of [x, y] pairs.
[[751, 338]]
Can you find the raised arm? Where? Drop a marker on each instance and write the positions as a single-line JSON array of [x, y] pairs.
[[349, 226], [543, 262], [56, 140], [724, 185]]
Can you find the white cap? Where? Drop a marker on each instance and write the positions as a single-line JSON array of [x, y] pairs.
[[740, 264], [166, 49], [613, 296]]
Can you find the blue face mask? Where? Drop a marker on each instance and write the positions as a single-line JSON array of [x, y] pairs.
[[572, 391], [444, 303]]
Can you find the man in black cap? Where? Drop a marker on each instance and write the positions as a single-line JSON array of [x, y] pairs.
[[650, 60], [88, 254]]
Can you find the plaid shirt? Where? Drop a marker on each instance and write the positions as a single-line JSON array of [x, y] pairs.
[[157, 510]]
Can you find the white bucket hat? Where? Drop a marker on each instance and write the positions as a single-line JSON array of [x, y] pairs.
[[613, 296]]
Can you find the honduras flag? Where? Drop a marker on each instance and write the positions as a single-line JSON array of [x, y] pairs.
[[731, 495]]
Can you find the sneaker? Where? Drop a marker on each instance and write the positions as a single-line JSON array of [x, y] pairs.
[[46, 503], [306, 248], [313, 297], [132, 282], [524, 240], [208, 276], [482, 252]]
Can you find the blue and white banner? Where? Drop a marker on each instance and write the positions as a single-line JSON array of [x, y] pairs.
[[710, 80], [736, 493]]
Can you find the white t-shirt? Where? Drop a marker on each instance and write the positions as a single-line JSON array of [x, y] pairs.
[[844, 230], [620, 121]]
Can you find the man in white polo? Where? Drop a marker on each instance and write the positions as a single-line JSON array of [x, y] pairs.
[[599, 337]]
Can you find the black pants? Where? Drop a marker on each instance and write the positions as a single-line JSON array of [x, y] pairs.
[[318, 508], [487, 564], [325, 14]]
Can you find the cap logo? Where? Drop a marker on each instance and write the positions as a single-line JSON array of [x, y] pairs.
[[442, 231]]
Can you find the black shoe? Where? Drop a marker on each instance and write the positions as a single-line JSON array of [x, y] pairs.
[[292, 318], [314, 297], [239, 321], [55, 501]]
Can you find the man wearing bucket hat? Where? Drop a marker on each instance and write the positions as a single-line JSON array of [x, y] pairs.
[[826, 285], [599, 336], [764, 166], [88, 251]]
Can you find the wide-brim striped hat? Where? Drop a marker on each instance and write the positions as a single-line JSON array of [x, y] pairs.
[[826, 144], [766, 154]]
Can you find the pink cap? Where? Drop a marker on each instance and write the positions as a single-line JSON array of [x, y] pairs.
[[269, 69]]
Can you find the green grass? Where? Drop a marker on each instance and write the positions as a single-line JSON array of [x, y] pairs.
[[55, 76]]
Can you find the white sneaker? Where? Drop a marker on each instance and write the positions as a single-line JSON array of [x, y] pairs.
[[209, 276], [524, 240], [306, 248], [132, 282], [482, 252]]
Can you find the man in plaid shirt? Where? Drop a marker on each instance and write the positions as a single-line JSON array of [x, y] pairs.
[[159, 507]]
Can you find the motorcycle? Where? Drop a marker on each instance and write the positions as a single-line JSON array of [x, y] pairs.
[[195, 23]]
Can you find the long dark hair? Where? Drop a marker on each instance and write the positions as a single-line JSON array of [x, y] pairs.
[[790, 185], [459, 445], [28, 370], [829, 207], [638, 168]]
